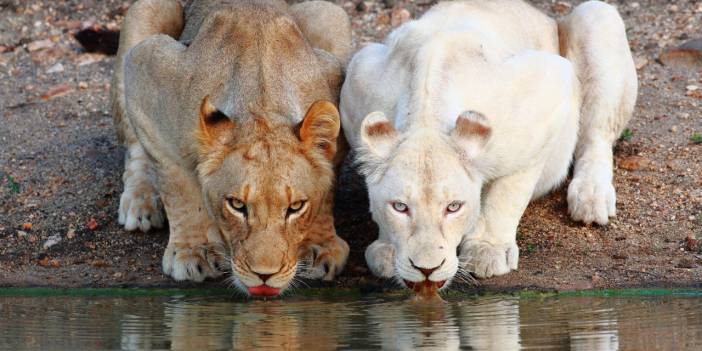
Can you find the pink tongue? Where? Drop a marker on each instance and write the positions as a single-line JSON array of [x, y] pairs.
[[264, 290]]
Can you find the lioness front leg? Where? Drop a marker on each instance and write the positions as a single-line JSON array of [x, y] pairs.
[[492, 248], [192, 252], [140, 206], [326, 250], [593, 37]]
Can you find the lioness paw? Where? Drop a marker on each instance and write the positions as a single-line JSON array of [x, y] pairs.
[[140, 207], [591, 200], [485, 260], [194, 263], [328, 259], [380, 257]]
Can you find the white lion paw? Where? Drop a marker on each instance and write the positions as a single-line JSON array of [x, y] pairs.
[[140, 207], [590, 200], [194, 263], [486, 260], [380, 257]]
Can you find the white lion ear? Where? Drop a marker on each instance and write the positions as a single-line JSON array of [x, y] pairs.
[[378, 135], [472, 133]]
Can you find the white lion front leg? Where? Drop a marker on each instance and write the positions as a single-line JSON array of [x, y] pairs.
[[192, 252], [492, 248], [140, 205], [593, 37]]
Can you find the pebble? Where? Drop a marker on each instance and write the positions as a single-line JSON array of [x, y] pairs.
[[399, 16], [691, 87], [633, 163], [21, 234], [40, 45], [71, 234], [640, 62], [55, 68], [674, 129], [51, 241], [57, 91]]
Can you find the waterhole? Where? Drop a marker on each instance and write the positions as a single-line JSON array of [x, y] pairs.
[[629, 320]]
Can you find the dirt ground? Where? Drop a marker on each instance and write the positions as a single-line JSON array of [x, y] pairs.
[[60, 165]]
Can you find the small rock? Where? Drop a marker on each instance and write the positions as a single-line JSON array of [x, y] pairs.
[[71, 234], [691, 243], [57, 90], [561, 7], [389, 3], [55, 68], [89, 59], [596, 279], [40, 45], [99, 263], [686, 263], [633, 163], [93, 224], [640, 62], [51, 241], [691, 87], [687, 54], [49, 262], [21, 234], [32, 238], [82, 85], [398, 16], [674, 129], [620, 256], [382, 20], [117, 275]]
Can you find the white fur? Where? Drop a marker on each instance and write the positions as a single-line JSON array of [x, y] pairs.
[[500, 59]]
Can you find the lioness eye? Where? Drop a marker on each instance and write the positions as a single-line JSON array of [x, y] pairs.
[[454, 207], [295, 207], [400, 207], [236, 205]]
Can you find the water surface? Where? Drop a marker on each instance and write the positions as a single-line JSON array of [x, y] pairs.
[[633, 321]]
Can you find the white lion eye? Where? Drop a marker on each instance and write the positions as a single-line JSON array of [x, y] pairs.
[[400, 207], [454, 207]]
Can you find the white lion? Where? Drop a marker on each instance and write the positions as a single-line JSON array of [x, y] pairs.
[[465, 115]]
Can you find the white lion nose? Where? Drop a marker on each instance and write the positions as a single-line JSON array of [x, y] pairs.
[[427, 271]]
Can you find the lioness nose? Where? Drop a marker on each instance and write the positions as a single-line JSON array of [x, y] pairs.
[[264, 277], [427, 271]]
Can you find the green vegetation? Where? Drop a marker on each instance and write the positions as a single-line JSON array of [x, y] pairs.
[[696, 138], [12, 184], [627, 134]]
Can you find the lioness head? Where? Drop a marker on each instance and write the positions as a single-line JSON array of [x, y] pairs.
[[423, 193], [264, 184]]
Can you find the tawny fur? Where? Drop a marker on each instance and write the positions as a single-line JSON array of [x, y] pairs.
[[234, 99], [484, 103]]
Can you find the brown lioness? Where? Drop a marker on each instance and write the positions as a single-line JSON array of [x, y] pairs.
[[233, 126]]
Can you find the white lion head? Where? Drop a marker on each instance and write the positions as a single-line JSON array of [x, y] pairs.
[[424, 193]]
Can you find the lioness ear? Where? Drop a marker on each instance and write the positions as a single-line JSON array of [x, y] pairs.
[[471, 133], [320, 128], [214, 124], [378, 135]]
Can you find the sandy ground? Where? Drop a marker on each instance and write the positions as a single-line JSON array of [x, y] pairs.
[[60, 165]]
